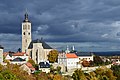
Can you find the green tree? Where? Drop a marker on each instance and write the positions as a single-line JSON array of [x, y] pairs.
[[98, 61], [104, 74], [79, 75], [52, 56], [116, 71]]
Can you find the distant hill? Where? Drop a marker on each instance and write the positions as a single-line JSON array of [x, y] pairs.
[[109, 53]]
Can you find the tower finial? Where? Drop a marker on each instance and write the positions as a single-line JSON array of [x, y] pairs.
[[26, 16]]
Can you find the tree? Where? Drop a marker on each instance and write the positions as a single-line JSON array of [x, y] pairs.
[[98, 61], [104, 74], [19, 50], [116, 71], [85, 63], [52, 56], [79, 75]]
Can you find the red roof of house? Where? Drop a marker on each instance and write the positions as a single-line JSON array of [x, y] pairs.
[[5, 54], [71, 55], [30, 66], [19, 54]]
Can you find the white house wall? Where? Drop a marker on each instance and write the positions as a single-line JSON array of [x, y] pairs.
[[1, 55], [72, 63]]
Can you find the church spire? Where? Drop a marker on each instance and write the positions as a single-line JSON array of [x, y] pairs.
[[26, 17]]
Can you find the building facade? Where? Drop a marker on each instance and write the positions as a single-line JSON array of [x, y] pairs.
[[1, 54], [36, 49], [26, 33]]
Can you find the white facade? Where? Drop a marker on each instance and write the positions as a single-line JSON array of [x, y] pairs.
[[26, 33], [1, 55], [72, 63], [35, 50], [62, 59]]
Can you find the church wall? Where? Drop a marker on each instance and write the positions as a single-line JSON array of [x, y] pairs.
[[46, 52], [37, 52], [26, 35]]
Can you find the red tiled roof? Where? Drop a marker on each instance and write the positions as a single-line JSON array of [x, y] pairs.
[[19, 54], [71, 55], [30, 66], [5, 54]]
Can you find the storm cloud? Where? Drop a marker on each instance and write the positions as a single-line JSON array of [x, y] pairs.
[[61, 21]]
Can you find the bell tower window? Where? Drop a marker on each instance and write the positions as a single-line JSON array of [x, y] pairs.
[[28, 26], [24, 33], [28, 33]]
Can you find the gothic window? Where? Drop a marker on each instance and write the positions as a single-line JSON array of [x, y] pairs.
[[24, 27], [37, 56], [31, 54], [28, 26], [24, 33], [26, 40]]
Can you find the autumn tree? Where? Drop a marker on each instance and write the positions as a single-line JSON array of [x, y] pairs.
[[116, 71], [85, 63], [98, 61], [52, 56], [104, 74], [79, 75]]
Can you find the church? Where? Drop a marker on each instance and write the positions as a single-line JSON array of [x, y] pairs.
[[36, 49]]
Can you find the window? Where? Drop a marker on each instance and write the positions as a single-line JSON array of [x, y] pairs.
[[26, 40], [28, 26], [28, 33], [24, 27], [24, 33]]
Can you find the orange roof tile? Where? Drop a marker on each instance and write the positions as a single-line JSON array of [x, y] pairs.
[[5, 54], [71, 55], [30, 66], [19, 54]]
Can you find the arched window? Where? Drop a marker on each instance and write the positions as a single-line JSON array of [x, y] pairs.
[[28, 26], [29, 33], [24, 27], [24, 33]]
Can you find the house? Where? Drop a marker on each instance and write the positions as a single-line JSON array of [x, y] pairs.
[[28, 68], [1, 54], [72, 60], [62, 58], [44, 67], [22, 55], [85, 56], [16, 58]]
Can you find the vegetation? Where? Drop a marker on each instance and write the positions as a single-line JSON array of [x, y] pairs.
[[13, 72], [99, 74], [116, 71], [52, 56]]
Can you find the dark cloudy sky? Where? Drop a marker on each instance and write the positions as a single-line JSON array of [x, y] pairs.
[[89, 25]]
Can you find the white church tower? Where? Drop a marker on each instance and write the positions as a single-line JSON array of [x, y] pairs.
[[26, 33]]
